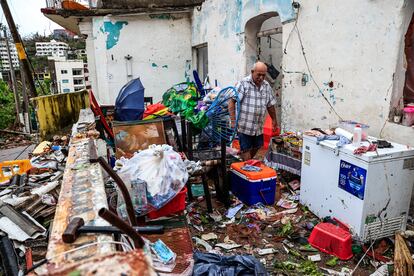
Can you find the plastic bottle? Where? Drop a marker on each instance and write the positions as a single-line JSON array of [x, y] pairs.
[[356, 139]]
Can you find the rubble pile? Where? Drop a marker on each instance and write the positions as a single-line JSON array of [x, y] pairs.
[[28, 200], [10, 140], [278, 237]]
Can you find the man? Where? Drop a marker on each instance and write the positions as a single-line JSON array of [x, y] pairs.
[[256, 96]]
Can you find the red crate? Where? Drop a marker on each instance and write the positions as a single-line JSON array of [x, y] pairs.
[[177, 204], [332, 239]]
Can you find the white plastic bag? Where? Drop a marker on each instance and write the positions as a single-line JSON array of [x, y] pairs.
[[161, 168]]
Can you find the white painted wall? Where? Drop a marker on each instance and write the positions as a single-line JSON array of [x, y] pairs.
[[355, 44], [222, 24], [159, 47]]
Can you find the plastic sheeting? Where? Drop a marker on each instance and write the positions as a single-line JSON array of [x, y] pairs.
[[208, 264]]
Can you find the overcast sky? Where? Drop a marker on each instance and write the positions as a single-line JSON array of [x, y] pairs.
[[28, 17]]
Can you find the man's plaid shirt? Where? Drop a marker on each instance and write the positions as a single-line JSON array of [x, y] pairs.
[[253, 105]]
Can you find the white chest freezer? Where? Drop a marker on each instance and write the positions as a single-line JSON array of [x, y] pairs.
[[371, 192]]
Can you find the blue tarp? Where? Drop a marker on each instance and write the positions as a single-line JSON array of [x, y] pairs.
[[129, 105]]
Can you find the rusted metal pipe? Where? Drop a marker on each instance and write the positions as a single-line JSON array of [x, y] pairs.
[[116, 221], [123, 188]]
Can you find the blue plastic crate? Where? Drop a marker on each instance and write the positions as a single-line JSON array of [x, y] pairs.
[[251, 192]]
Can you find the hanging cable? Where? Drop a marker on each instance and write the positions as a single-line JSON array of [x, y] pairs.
[[311, 75]]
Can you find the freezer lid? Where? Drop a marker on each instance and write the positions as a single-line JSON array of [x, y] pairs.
[[397, 151]]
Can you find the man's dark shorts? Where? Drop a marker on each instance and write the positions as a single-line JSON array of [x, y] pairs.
[[248, 142]]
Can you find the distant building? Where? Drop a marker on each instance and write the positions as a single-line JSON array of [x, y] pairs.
[[52, 49], [4, 59], [70, 75], [63, 34]]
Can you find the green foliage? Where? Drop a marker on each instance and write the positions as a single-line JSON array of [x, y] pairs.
[[43, 87], [7, 112]]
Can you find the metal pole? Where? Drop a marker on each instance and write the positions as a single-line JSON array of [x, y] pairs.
[[13, 77], [25, 105], [19, 47]]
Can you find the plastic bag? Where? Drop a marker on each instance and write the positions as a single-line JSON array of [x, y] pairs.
[[212, 264], [162, 170]]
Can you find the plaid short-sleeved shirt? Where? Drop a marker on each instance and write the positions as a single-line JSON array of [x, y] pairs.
[[254, 102]]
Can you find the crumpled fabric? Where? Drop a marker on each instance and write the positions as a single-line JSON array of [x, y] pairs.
[[208, 264], [342, 139]]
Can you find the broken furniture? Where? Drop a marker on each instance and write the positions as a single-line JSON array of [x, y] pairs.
[[212, 160], [370, 192], [131, 137]]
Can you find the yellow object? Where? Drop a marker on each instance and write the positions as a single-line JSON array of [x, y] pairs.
[[10, 168], [20, 51], [157, 114], [41, 147], [59, 112]]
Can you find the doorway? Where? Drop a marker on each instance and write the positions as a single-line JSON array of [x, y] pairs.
[[263, 37]]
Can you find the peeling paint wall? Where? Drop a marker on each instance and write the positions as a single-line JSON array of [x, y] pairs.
[[352, 49], [222, 23], [158, 48], [58, 112]]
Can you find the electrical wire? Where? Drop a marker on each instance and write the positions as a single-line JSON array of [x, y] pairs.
[[311, 75], [22, 151]]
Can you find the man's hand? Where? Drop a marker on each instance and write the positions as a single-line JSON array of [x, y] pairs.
[[275, 128]]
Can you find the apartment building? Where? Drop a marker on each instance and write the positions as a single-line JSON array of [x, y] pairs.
[[52, 49], [70, 75], [4, 59]]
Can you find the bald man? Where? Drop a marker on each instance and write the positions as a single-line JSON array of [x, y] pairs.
[[256, 97]]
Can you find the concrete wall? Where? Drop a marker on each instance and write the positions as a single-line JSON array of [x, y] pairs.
[[352, 48], [222, 24], [156, 48], [59, 112]]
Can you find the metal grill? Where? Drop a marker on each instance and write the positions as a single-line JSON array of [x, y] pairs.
[[386, 228]]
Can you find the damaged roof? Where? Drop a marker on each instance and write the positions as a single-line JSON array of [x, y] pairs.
[[68, 13], [133, 4]]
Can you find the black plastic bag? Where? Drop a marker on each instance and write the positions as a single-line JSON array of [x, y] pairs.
[[208, 264]]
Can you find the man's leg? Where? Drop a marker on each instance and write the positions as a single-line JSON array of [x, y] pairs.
[[253, 152], [246, 155], [245, 146], [257, 144]]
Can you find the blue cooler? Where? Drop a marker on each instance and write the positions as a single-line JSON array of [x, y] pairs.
[[253, 187]]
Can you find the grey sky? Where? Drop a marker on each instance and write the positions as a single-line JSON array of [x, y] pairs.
[[28, 17]]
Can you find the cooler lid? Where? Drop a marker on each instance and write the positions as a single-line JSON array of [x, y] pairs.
[[397, 151], [266, 172]]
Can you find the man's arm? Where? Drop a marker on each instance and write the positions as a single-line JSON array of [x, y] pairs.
[[232, 111], [272, 113]]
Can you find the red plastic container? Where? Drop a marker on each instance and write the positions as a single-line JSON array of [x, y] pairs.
[[268, 132], [332, 239], [177, 204]]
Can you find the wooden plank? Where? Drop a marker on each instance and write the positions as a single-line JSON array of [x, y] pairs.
[[82, 195]]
